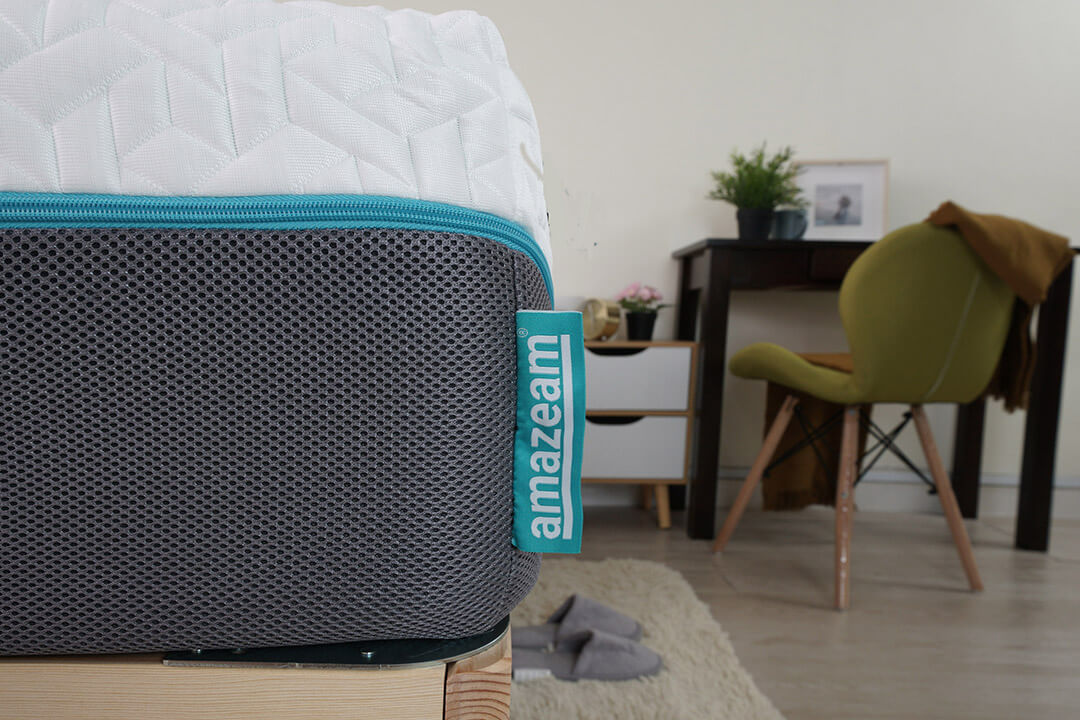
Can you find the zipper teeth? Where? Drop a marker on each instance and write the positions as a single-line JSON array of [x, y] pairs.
[[226, 208], [39, 208]]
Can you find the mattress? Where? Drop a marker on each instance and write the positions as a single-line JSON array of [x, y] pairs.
[[253, 97], [261, 266]]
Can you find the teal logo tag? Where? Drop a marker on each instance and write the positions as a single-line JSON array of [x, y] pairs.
[[550, 431]]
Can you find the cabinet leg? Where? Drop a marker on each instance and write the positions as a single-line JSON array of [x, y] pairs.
[[646, 497], [663, 506]]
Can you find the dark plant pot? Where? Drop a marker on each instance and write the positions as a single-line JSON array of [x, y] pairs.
[[754, 224], [639, 325]]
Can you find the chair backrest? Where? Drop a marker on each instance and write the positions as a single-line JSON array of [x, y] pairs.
[[925, 318]]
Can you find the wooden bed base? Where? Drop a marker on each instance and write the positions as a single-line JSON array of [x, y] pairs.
[[140, 687]]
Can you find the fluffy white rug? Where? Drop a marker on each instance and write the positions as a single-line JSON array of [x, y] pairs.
[[702, 678]]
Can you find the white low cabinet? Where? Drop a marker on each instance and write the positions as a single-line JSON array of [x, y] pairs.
[[639, 399]]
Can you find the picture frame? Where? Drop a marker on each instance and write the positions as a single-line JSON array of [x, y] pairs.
[[846, 199]]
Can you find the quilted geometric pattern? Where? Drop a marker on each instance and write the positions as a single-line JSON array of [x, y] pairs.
[[245, 97]]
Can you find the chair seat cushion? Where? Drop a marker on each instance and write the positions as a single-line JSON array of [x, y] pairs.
[[767, 361], [833, 361]]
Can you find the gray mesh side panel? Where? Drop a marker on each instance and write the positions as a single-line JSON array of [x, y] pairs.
[[242, 439]]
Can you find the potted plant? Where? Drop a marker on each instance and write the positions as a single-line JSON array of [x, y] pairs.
[[757, 185], [641, 303]]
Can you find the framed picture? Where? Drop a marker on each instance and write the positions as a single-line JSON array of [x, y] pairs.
[[846, 199]]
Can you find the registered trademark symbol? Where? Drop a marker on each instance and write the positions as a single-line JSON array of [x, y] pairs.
[[522, 332]]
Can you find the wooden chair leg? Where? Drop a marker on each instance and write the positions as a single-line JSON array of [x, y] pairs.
[[663, 507], [845, 505], [768, 447], [947, 498]]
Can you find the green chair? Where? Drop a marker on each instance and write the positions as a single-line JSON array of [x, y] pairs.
[[926, 321]]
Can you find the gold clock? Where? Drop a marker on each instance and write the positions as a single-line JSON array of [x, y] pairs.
[[600, 318]]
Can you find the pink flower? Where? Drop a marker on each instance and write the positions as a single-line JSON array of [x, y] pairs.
[[656, 294], [629, 291], [645, 294]]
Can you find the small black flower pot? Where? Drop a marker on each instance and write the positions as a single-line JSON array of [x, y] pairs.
[[754, 223], [639, 325]]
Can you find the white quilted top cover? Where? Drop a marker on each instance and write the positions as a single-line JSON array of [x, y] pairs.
[[252, 97]]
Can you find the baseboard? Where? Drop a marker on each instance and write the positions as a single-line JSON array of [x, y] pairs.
[[882, 491], [899, 491]]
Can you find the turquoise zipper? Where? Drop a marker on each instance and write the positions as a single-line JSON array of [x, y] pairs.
[[263, 212]]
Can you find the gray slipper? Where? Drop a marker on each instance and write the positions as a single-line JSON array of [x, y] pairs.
[[578, 613], [587, 655]]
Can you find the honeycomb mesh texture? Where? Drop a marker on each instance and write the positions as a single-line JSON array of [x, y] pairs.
[[215, 439]]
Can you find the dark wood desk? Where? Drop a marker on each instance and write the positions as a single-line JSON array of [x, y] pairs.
[[712, 268]]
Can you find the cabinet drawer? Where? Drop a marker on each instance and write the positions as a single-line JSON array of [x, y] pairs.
[[645, 448], [654, 378]]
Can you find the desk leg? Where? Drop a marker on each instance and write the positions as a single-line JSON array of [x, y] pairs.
[[1044, 407], [686, 329], [689, 300], [967, 455], [715, 298]]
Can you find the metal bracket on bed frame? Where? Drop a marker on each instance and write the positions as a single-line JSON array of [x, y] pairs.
[[885, 441], [366, 655]]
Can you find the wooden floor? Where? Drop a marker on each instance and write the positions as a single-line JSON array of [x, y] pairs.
[[915, 643]]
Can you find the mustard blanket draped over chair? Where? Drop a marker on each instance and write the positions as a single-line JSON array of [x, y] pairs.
[[1028, 259]]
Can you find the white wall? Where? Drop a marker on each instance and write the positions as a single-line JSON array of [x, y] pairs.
[[972, 100]]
